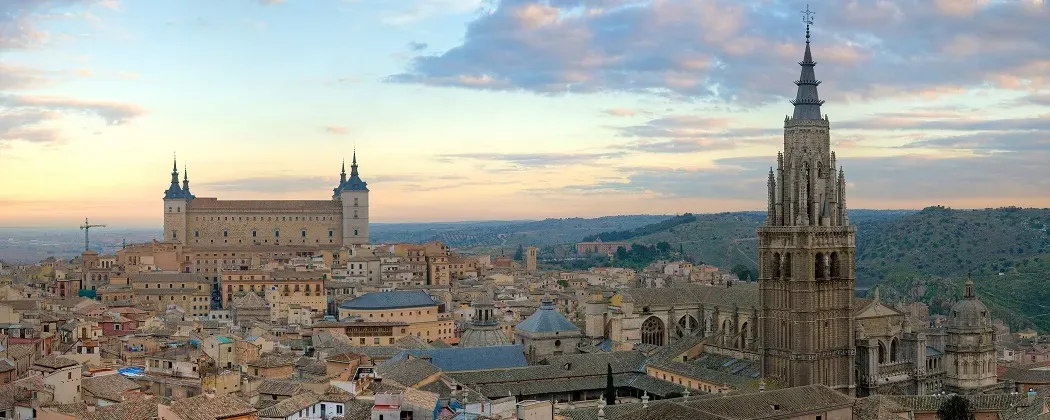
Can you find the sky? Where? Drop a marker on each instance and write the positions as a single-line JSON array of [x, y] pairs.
[[514, 109]]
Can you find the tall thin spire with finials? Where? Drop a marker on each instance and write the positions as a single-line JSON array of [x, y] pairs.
[[342, 173], [174, 191], [807, 102], [353, 165]]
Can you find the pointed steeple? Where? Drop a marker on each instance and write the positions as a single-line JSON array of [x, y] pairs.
[[174, 191], [342, 173], [807, 102], [186, 183], [353, 165]]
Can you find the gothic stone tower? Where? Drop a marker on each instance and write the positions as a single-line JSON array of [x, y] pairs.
[[176, 199], [806, 254]]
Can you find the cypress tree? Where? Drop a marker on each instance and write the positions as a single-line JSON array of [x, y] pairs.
[[610, 391]]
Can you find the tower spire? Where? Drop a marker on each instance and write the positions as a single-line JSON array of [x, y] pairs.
[[342, 173], [353, 165], [807, 102]]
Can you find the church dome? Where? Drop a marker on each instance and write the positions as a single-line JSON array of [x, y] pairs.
[[969, 312]]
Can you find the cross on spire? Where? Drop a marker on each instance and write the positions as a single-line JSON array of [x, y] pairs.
[[807, 19]]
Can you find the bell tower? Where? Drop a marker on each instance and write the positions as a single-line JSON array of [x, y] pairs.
[[806, 253]]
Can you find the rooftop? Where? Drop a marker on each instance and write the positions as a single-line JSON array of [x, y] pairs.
[[390, 300]]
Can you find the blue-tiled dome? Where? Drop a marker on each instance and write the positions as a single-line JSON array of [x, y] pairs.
[[546, 319]]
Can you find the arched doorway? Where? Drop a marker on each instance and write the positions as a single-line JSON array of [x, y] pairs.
[[653, 331]]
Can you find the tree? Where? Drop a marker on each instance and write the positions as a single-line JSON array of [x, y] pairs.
[[519, 255], [955, 408], [663, 247], [610, 390], [743, 272]]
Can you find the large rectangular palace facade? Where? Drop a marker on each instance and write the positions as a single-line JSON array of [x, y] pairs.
[[205, 222]]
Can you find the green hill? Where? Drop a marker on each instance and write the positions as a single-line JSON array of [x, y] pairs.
[[940, 241], [488, 234]]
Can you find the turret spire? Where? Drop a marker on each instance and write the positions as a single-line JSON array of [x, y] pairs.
[[807, 102], [968, 292], [342, 173], [174, 191], [353, 166]]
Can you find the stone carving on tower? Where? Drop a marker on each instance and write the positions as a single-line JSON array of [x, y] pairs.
[[806, 253]]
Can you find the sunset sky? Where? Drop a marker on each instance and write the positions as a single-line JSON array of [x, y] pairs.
[[515, 109]]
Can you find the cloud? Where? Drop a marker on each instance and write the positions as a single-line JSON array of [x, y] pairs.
[[335, 129], [417, 46], [422, 9], [269, 2], [26, 118], [85, 72], [128, 75], [16, 77], [620, 112], [534, 160], [724, 50], [692, 133], [874, 182]]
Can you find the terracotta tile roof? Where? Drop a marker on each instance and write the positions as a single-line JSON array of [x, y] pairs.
[[279, 387], [208, 203], [271, 361], [108, 387], [204, 407], [56, 362], [168, 277], [289, 406]]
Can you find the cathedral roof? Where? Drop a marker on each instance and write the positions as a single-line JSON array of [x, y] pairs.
[[741, 294]]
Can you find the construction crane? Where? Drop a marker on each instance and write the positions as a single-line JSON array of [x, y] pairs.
[[86, 227]]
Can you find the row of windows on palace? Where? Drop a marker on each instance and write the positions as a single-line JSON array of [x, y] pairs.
[[264, 218], [262, 288], [255, 234]]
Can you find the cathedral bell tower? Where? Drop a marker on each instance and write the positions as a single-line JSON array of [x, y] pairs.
[[806, 253]]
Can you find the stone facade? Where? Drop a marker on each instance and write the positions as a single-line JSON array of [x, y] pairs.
[[806, 255], [210, 222], [892, 359], [725, 316], [970, 349]]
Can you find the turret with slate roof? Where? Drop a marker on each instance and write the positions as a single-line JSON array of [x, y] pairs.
[[174, 191], [352, 192], [547, 332]]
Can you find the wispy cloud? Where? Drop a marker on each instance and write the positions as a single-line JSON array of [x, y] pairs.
[[533, 160], [335, 129]]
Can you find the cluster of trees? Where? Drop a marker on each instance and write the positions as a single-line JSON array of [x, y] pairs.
[[640, 256], [622, 235]]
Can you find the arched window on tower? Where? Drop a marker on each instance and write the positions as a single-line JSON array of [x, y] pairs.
[[355, 201], [893, 349], [776, 265], [355, 214], [882, 353], [836, 266], [786, 270], [818, 266]]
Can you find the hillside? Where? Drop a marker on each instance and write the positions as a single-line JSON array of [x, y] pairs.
[[922, 255], [943, 242], [466, 235]]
